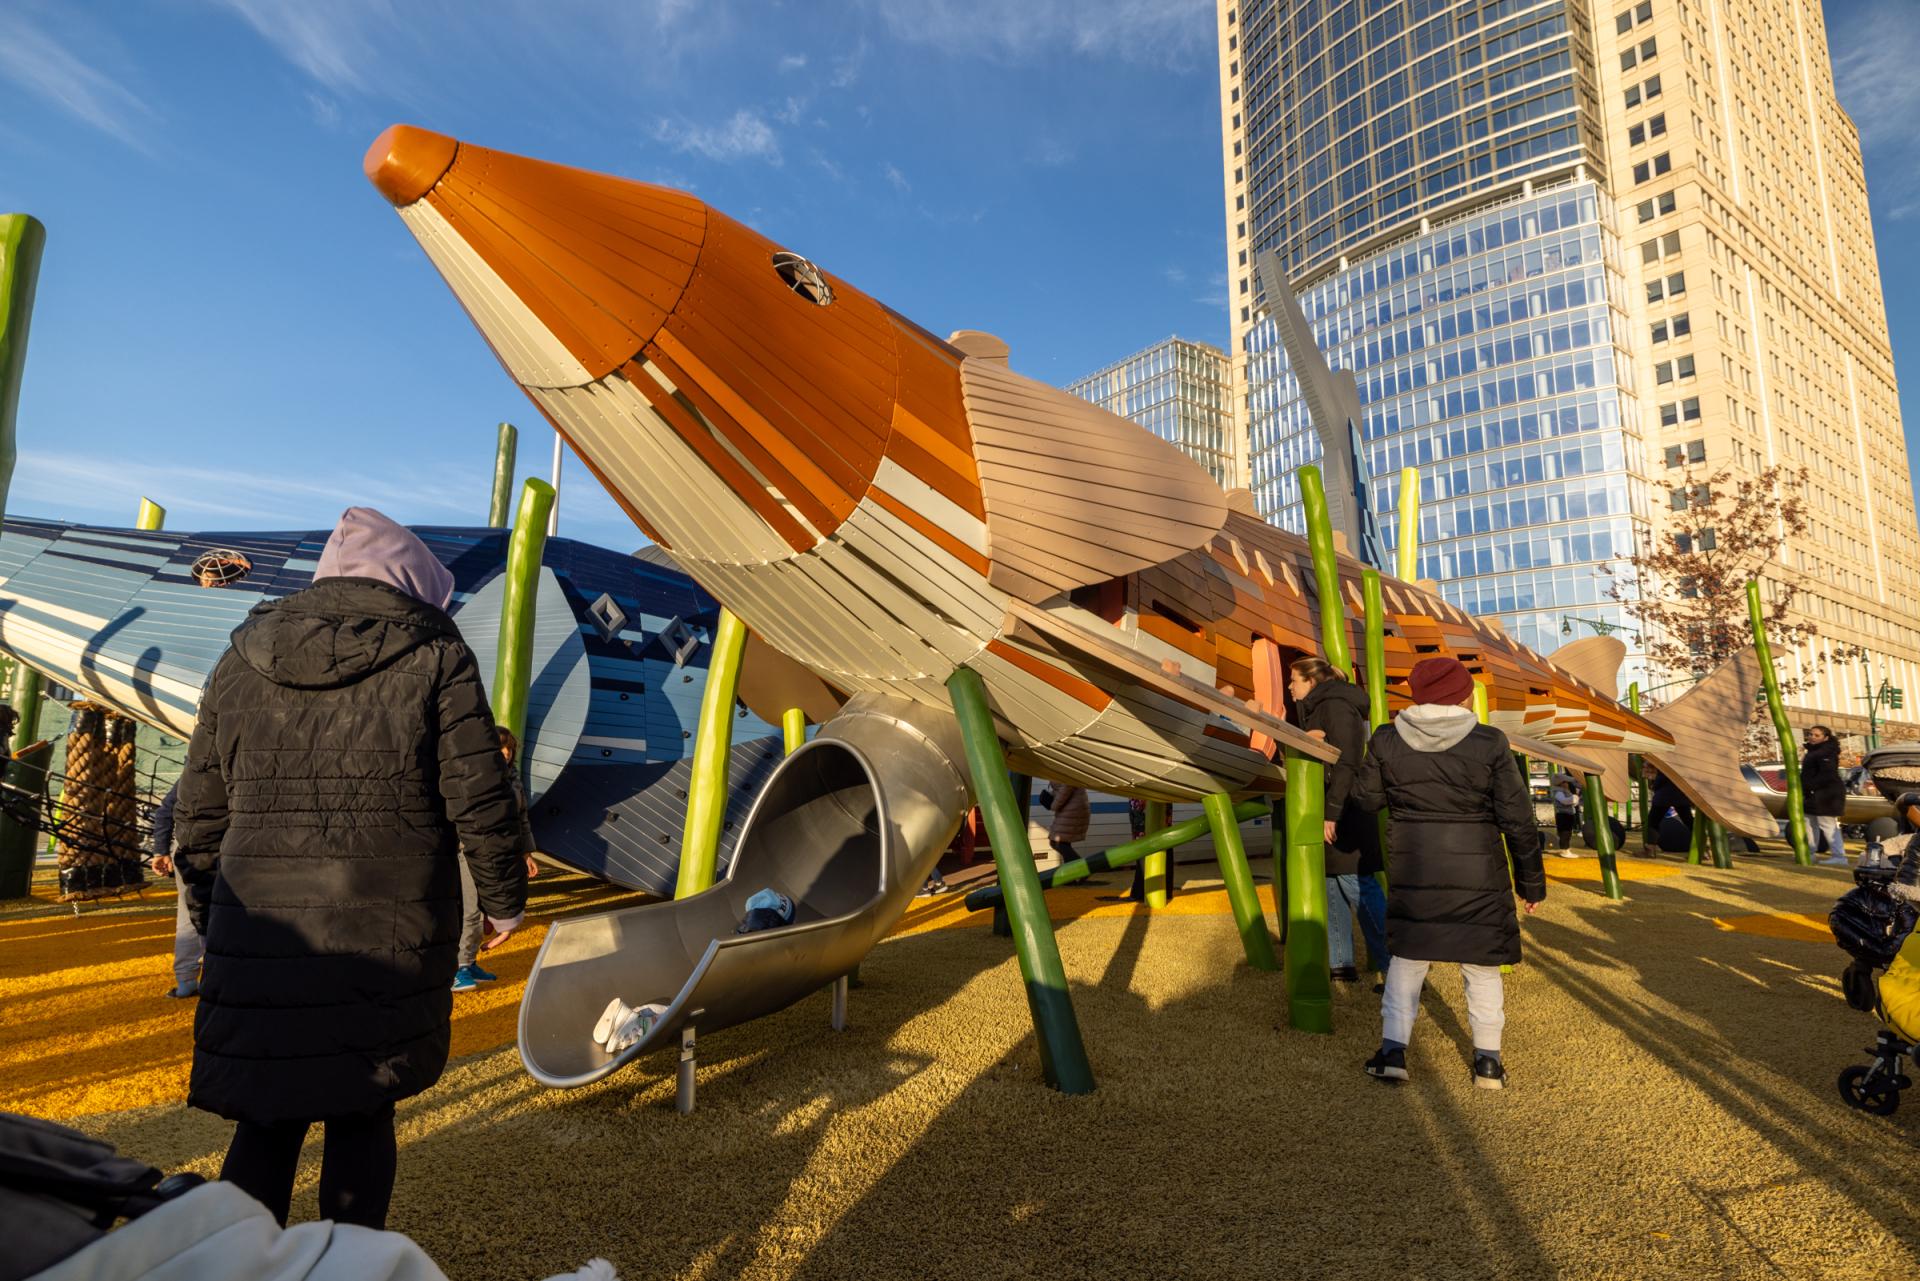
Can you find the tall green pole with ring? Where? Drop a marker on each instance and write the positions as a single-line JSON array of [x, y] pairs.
[[1063, 1056], [793, 729], [1407, 546], [1776, 708], [1326, 572], [712, 749], [1374, 608], [22, 238], [504, 450], [1602, 837], [1237, 875], [1309, 987], [1157, 867], [513, 665]]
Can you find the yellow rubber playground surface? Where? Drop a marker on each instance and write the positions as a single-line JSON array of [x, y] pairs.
[[1672, 1111]]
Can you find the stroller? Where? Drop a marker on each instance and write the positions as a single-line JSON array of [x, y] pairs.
[[1874, 923]]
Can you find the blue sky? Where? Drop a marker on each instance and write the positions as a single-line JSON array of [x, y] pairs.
[[233, 322]]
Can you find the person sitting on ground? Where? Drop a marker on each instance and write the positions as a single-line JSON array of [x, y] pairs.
[[344, 753], [1670, 812], [1333, 708], [188, 946], [1071, 815], [1566, 811], [1824, 793], [1452, 790], [470, 975]]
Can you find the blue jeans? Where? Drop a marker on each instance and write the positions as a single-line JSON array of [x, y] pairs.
[[1347, 895]]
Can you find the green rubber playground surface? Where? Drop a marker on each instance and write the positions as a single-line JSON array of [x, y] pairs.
[[1672, 1113]]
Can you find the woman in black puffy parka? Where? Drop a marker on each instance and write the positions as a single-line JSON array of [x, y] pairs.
[[1452, 791], [344, 752]]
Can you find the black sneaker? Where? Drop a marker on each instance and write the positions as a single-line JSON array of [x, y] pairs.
[[1488, 1074], [1344, 974], [1388, 1065]]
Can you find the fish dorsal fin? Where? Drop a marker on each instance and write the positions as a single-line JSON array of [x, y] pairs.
[[1076, 495], [1593, 659], [978, 344], [1241, 500]]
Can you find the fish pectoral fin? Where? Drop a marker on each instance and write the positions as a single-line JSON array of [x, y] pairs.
[[1141, 670], [1708, 724]]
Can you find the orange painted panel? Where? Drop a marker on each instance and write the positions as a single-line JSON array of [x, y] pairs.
[[946, 542], [1269, 680], [1064, 681]]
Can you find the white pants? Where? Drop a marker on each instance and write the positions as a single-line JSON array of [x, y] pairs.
[[1486, 1001], [1830, 824]]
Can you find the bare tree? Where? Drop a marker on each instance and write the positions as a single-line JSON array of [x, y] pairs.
[[1687, 584]]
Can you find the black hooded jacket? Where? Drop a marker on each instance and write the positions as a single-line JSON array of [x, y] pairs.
[[1821, 787], [344, 752], [1339, 709], [1452, 790]]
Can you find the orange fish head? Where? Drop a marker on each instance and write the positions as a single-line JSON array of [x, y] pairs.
[[732, 396]]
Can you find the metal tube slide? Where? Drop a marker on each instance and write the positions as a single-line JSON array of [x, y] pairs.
[[847, 827]]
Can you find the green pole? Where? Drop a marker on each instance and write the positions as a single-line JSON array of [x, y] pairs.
[[503, 455], [1637, 765], [1118, 856], [1326, 572], [151, 515], [21, 240], [1697, 838], [1602, 837], [513, 665], [1309, 990], [18, 840], [793, 729], [1789, 759], [1157, 867], [1063, 1056], [25, 697], [712, 749], [1408, 548], [1248, 916], [1722, 845], [1375, 624]]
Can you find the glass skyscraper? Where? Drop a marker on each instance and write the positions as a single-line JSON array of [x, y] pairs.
[[1179, 391], [1425, 171]]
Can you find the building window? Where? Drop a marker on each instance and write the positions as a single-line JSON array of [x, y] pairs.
[[1696, 451], [1675, 327], [1660, 204], [1676, 284], [1652, 87]]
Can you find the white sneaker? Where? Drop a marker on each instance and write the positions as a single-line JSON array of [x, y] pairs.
[[615, 1015], [1567, 854], [1835, 860]]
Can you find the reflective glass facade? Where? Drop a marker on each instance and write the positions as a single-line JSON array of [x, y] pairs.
[[1491, 353], [1178, 390], [1362, 115]]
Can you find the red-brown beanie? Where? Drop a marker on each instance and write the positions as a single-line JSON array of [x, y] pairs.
[[1440, 680]]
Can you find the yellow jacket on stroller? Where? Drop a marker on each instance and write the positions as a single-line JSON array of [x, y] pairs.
[[1900, 990]]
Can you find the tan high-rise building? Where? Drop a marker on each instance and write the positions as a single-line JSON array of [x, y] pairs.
[[1570, 252]]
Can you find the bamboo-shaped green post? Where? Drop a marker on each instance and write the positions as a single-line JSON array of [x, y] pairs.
[[1326, 571], [1130, 854], [1374, 608], [1789, 756], [1063, 1056], [1722, 845], [503, 456], [1697, 838], [1309, 989], [1407, 546], [793, 729], [1602, 837], [1237, 874], [150, 516], [513, 665], [17, 839], [21, 240], [1157, 867], [712, 749]]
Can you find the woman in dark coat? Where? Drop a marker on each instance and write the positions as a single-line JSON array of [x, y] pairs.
[[1824, 792], [1333, 708], [344, 752], [1452, 791]]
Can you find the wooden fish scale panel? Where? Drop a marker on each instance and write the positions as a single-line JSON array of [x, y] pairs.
[[1068, 531], [956, 592], [1712, 711]]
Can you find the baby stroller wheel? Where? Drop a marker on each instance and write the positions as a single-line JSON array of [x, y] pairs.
[[1862, 1089]]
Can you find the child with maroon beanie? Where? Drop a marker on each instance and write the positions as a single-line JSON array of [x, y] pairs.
[[1451, 790]]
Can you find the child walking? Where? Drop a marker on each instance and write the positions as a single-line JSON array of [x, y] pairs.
[[1452, 790]]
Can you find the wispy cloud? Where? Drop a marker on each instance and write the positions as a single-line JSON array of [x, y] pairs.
[[51, 479], [1876, 47], [42, 65], [334, 43], [745, 136], [897, 179], [793, 62], [1146, 31]]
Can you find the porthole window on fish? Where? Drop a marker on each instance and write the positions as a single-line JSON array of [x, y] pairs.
[[220, 567], [803, 278]]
